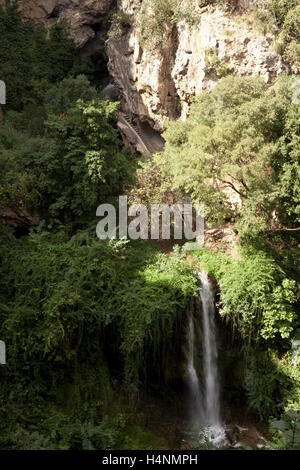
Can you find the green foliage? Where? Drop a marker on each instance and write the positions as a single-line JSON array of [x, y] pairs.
[[256, 297], [80, 161], [29, 61], [62, 433], [152, 188], [61, 294], [92, 161], [282, 7], [21, 175], [156, 18], [79, 316], [212, 62], [288, 367], [281, 18], [263, 383], [289, 37], [120, 22], [69, 307], [64, 96], [237, 153], [258, 300], [268, 381], [29, 121], [287, 431]]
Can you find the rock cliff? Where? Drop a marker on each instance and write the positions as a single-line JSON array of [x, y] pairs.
[[156, 85]]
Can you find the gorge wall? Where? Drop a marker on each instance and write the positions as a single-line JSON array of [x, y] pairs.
[[156, 85]]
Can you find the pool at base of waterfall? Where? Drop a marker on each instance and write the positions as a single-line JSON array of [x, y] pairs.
[[223, 436], [214, 435]]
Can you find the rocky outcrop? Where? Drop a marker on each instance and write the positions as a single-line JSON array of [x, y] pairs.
[[87, 19], [146, 85], [40, 11], [18, 218], [155, 87]]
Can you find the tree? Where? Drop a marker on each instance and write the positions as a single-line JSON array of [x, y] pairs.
[[28, 60], [63, 96], [238, 153], [71, 170]]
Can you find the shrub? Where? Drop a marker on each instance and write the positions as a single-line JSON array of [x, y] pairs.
[[156, 19], [256, 298], [286, 431], [236, 154], [59, 296], [66, 174]]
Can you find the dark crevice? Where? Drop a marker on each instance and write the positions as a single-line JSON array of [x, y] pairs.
[[54, 13], [97, 27]]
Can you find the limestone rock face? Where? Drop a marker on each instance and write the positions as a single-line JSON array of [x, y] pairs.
[[156, 86], [85, 17], [18, 218], [38, 10]]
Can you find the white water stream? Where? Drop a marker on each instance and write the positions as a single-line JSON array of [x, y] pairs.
[[195, 400], [206, 405]]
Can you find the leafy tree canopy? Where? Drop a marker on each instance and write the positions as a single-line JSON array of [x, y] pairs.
[[31, 60], [70, 171], [238, 153]]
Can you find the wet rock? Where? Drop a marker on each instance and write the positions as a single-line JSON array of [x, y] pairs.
[[233, 435]]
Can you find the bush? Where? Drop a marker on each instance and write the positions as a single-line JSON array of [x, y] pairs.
[[58, 296], [256, 298], [64, 96], [281, 17], [156, 19], [286, 431], [262, 383]]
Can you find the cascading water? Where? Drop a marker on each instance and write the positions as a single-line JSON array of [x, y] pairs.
[[194, 384], [206, 405], [210, 355], [211, 388]]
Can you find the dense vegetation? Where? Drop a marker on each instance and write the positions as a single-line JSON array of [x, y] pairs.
[[93, 328], [29, 61], [69, 309], [238, 154], [244, 139], [155, 21], [82, 319], [77, 161]]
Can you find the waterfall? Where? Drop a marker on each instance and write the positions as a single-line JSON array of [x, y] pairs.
[[214, 430], [210, 355], [206, 405], [194, 384]]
